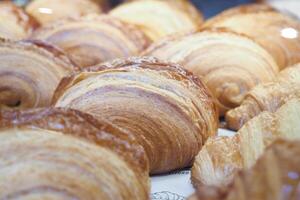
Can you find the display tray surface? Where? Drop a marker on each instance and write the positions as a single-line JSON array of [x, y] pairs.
[[176, 185]]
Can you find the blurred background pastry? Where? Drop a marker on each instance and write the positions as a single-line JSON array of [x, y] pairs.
[[92, 39], [230, 64], [288, 6], [278, 33], [158, 18], [46, 11], [15, 23]]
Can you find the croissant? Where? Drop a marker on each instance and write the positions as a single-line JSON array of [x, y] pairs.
[[93, 39], [230, 64], [168, 110], [46, 11], [30, 72], [276, 32], [159, 18], [15, 24], [221, 157], [56, 153], [274, 176], [266, 97]]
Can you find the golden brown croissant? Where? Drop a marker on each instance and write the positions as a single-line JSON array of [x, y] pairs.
[[64, 154], [274, 176], [168, 110], [230, 64], [46, 11], [92, 39], [158, 18], [221, 157], [266, 97], [276, 32], [15, 24], [30, 72]]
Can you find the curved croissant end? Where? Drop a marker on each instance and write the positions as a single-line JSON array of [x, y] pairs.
[[266, 97], [274, 176], [220, 158], [30, 71], [46, 11], [168, 110], [230, 64], [211, 164], [159, 18], [278, 33], [64, 154], [15, 24], [93, 39]]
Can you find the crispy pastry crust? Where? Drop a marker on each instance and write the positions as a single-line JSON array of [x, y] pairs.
[[83, 126], [141, 62], [79, 139], [135, 80]]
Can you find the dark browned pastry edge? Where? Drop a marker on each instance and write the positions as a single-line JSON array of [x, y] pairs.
[[81, 125], [136, 63], [55, 50], [42, 48]]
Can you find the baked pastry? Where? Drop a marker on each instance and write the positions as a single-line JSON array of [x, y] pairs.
[[46, 11], [159, 18], [168, 110], [15, 24], [230, 64], [30, 71], [241, 9], [266, 97], [274, 176], [57, 153], [275, 31], [104, 4], [221, 157], [93, 39]]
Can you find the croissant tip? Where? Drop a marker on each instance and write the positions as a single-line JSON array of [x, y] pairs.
[[233, 120]]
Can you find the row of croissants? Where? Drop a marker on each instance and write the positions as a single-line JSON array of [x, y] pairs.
[[94, 100]]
